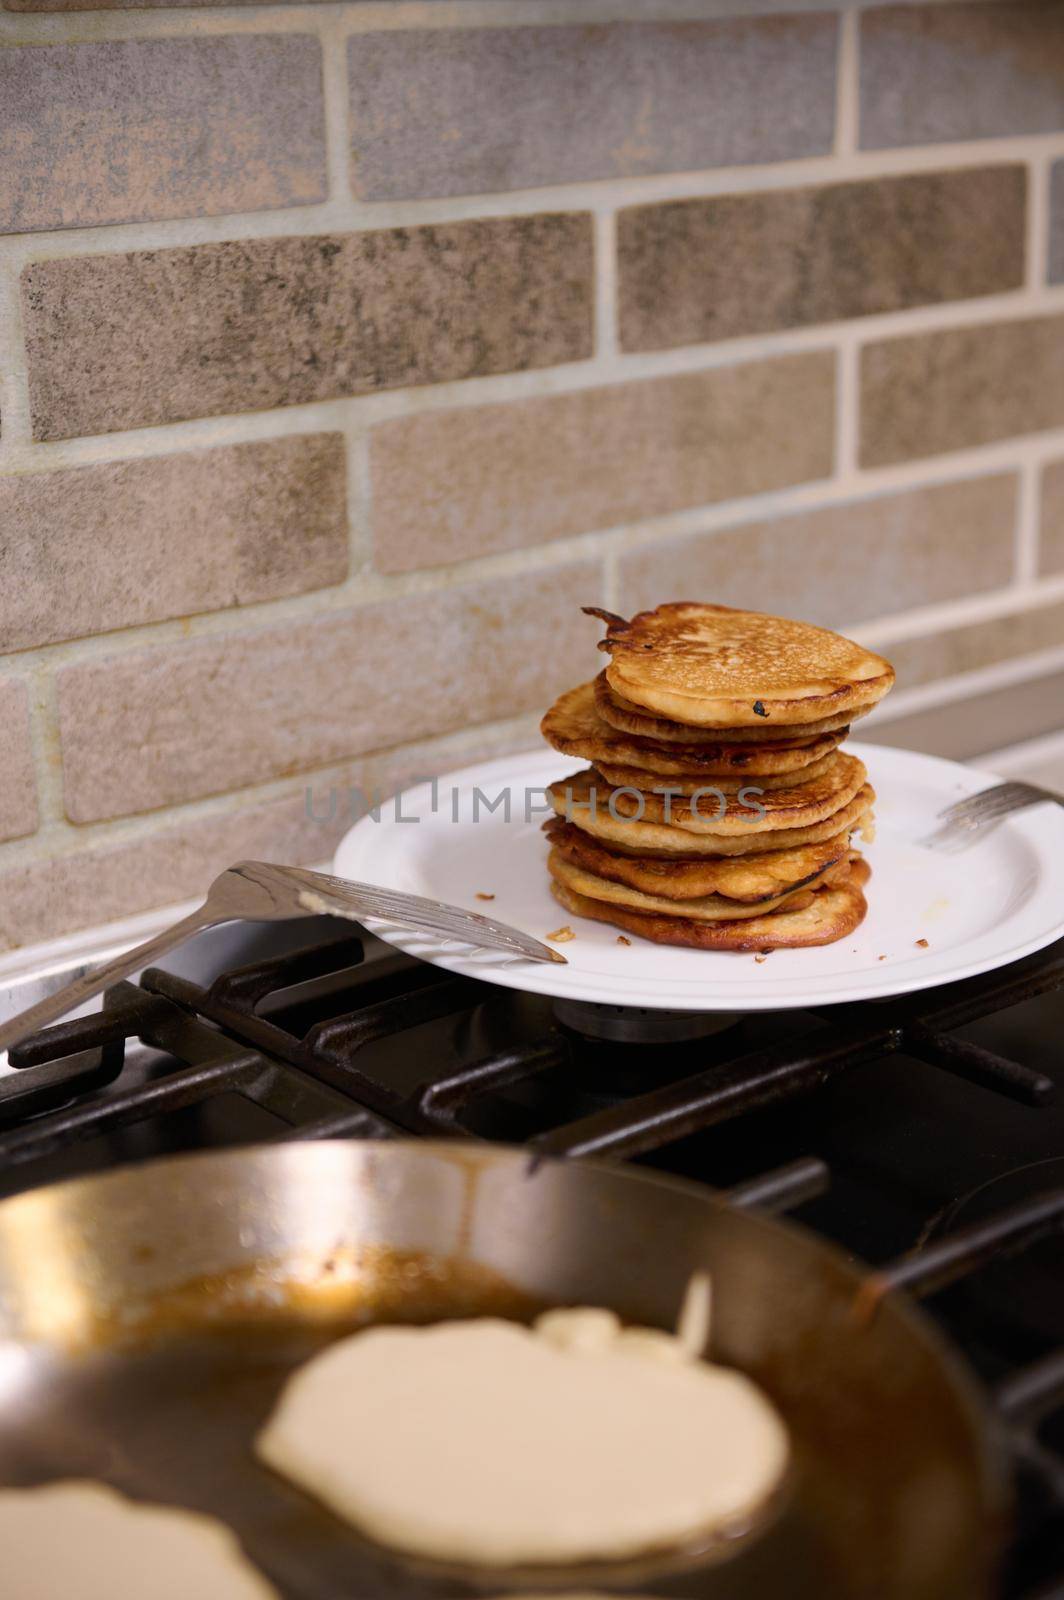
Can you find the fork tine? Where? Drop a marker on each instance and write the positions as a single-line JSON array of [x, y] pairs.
[[490, 936], [960, 822], [441, 916], [976, 804], [987, 813], [399, 903], [324, 892], [998, 806]]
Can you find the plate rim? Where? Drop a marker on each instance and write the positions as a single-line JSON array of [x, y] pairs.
[[771, 992]]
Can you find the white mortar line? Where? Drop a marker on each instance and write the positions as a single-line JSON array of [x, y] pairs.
[[600, 371], [60, 838], [966, 685], [364, 586], [607, 331], [847, 86], [334, 94], [1013, 758], [611, 581], [948, 615], [360, 544], [16, 250], [14, 391], [1037, 219], [75, 27], [847, 404], [1028, 515], [1012, 306], [602, 192]]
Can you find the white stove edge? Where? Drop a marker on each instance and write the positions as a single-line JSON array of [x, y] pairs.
[[36, 971]]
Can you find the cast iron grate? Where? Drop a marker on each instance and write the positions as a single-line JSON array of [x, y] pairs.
[[225, 1039], [922, 1026]]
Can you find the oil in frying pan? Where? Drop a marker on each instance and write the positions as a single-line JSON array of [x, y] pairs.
[[165, 1399]]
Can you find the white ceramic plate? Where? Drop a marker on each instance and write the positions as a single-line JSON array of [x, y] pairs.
[[1000, 899]]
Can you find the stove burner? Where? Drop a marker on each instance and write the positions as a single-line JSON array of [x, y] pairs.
[[639, 1024], [1026, 1292]]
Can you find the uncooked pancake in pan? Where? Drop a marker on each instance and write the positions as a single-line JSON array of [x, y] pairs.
[[79, 1540], [492, 1444]]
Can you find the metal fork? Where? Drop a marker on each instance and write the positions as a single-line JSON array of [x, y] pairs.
[[258, 891], [960, 823]]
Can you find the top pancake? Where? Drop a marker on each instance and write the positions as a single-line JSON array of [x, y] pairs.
[[717, 667], [575, 726]]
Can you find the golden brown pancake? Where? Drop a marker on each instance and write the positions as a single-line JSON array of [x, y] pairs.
[[625, 717], [718, 667], [746, 813], [656, 782], [571, 797], [751, 878], [575, 725], [707, 908], [832, 913]]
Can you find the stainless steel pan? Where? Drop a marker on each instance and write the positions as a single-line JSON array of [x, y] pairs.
[[148, 1318]]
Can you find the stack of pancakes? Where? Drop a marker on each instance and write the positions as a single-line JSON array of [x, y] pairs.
[[719, 810]]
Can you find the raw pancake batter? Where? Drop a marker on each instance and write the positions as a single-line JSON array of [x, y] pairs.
[[496, 1444]]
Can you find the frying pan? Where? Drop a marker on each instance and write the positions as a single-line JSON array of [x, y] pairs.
[[149, 1316]]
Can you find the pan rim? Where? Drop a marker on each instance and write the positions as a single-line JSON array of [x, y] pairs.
[[990, 1473]]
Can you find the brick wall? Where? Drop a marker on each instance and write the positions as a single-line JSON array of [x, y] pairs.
[[346, 349]]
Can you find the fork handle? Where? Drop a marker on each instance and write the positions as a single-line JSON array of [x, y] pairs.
[[93, 983]]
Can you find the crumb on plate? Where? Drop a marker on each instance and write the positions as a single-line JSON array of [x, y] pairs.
[[622, 939], [881, 958], [562, 935], [921, 944], [480, 895]]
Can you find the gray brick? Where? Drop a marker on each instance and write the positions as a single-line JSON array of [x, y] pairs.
[[154, 336], [18, 788], [448, 485], [692, 271], [1056, 223], [129, 542], [961, 387], [479, 110], [931, 73], [141, 128], [157, 727], [844, 563]]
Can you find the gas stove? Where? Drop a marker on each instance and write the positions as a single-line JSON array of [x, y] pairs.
[[886, 1127]]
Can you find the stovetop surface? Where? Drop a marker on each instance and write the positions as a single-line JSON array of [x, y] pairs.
[[927, 1115]]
